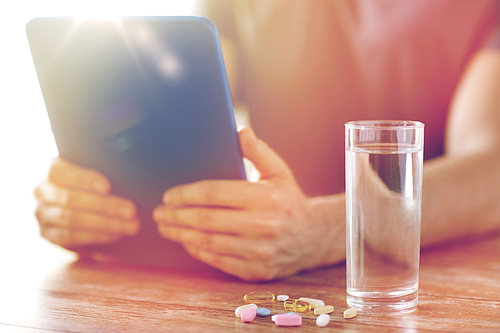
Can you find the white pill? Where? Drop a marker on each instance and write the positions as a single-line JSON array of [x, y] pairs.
[[282, 298], [323, 320], [351, 312], [240, 309], [314, 302]]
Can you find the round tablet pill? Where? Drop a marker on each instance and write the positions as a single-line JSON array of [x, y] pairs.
[[282, 298], [323, 320], [248, 315]]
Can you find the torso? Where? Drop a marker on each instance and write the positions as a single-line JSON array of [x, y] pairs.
[[310, 66]]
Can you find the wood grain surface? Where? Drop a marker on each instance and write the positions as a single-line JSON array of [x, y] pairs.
[[45, 289]]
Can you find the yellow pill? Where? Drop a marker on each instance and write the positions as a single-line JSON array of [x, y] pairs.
[[313, 301], [297, 306], [259, 297], [350, 313], [323, 309]]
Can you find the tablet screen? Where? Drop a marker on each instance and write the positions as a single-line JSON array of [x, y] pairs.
[[143, 100]]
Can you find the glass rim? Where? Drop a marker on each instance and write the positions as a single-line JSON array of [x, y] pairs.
[[384, 124]]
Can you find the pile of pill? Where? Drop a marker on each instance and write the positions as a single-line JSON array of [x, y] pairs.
[[303, 305]]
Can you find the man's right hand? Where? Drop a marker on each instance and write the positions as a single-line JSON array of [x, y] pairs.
[[75, 208]]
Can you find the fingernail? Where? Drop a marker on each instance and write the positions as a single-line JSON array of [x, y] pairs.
[[167, 197], [125, 211], [158, 215], [99, 186], [131, 228], [250, 133]]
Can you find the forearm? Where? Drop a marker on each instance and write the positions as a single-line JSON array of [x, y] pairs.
[[461, 197]]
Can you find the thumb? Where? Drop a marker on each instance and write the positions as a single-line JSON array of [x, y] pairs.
[[263, 157]]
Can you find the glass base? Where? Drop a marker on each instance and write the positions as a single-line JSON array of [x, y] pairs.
[[377, 302]]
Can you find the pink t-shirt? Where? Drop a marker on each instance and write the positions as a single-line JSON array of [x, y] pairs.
[[307, 67]]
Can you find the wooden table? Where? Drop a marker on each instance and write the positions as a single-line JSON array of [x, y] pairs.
[[44, 289]]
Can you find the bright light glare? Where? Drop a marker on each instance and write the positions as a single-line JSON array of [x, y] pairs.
[[27, 144]]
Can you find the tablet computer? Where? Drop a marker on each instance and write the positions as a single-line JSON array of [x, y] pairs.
[[145, 101]]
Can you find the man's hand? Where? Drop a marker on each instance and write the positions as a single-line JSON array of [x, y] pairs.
[[75, 208], [256, 231]]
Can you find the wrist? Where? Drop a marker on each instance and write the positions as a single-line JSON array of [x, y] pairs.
[[328, 217]]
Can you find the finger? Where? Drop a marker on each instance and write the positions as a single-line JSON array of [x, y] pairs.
[[222, 244], [66, 174], [228, 221], [73, 238], [109, 205], [55, 216], [235, 194], [263, 157], [249, 271]]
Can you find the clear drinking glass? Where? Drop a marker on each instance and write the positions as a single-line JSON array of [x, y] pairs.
[[383, 210]]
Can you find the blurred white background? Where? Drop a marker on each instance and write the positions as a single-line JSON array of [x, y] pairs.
[[26, 141]]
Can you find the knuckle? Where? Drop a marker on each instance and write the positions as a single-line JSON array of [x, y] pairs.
[[63, 196], [69, 198], [45, 233], [202, 216], [42, 190], [274, 228], [65, 217], [109, 205], [209, 192], [172, 216], [37, 191], [56, 236], [265, 253], [39, 214], [206, 241], [276, 199]]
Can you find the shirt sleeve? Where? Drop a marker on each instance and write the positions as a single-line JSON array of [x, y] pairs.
[[493, 41], [221, 13]]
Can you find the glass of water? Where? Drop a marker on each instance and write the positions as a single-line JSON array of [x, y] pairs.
[[383, 209]]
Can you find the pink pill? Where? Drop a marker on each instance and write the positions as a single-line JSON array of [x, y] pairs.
[[248, 315], [288, 320]]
